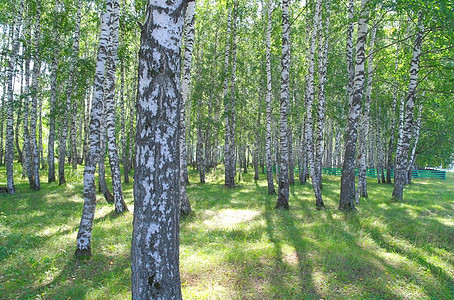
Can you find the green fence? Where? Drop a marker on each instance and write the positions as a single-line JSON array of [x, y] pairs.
[[426, 174]]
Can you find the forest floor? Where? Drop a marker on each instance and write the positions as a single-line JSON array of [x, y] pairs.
[[235, 245]]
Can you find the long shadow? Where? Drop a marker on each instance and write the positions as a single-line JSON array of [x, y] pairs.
[[286, 224]]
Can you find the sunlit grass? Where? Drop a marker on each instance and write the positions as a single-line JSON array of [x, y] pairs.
[[236, 246]]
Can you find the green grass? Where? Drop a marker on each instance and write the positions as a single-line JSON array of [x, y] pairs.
[[236, 246]]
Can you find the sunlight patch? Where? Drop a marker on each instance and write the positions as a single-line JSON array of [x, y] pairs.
[[228, 218]]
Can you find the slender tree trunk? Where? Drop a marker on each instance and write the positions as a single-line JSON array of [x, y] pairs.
[[109, 104], [102, 166], [189, 25], [69, 98], [348, 193], [229, 181], [364, 126], [269, 164], [122, 122], [283, 191], [93, 156], [323, 66], [40, 133], [310, 100], [155, 243], [403, 145], [416, 130], [200, 141], [389, 164], [27, 158], [9, 153], [34, 105]]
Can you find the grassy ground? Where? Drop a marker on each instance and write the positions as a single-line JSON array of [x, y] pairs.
[[236, 246]]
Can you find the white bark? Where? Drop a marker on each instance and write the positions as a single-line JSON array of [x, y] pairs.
[[283, 183], [69, 97], [269, 164], [348, 193], [309, 102], [400, 173], [88, 213], [9, 153], [155, 242], [189, 25], [109, 102], [364, 126]]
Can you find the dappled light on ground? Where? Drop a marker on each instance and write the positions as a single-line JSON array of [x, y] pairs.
[[235, 245]]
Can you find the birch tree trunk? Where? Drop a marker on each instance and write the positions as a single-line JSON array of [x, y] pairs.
[[101, 163], [9, 153], [349, 50], [69, 98], [155, 243], [416, 130], [269, 163], [122, 121], [109, 102], [323, 66], [389, 163], [309, 102], [189, 25], [93, 156], [228, 180], [400, 173], [283, 186], [34, 104], [348, 193], [200, 159], [364, 126], [27, 157]]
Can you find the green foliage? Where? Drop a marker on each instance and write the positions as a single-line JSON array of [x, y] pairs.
[[236, 246]]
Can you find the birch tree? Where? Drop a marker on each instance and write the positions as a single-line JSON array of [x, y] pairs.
[[69, 98], [348, 193], [88, 212], [403, 145], [109, 103], [155, 242], [9, 153], [34, 151], [189, 24], [283, 184], [365, 116], [269, 165], [309, 102]]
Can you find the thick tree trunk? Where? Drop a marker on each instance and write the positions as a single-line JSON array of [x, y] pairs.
[[400, 173], [283, 186], [9, 153], [364, 126], [155, 243], [269, 163], [109, 102], [69, 98], [348, 193], [189, 25], [93, 156]]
